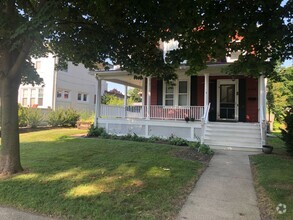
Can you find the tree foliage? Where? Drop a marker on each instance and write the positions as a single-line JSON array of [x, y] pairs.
[[280, 92], [287, 133], [135, 94], [128, 33]]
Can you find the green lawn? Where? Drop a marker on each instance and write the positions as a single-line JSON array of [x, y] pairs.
[[98, 179], [274, 179]]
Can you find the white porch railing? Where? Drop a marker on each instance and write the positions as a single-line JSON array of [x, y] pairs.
[[155, 112], [204, 121]]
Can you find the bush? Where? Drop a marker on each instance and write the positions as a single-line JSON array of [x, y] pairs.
[[55, 118], [63, 118], [153, 139], [86, 116], [97, 132], [194, 145], [22, 116], [173, 140], [34, 117], [205, 149], [71, 116], [287, 134]]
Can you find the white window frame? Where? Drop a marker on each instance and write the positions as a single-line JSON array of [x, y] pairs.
[[40, 96], [176, 93], [62, 91], [83, 94]]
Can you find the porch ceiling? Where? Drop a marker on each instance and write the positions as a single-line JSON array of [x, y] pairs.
[[120, 77]]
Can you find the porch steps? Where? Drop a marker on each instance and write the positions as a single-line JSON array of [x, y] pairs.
[[222, 135]]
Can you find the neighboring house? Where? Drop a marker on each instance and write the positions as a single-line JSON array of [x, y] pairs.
[[73, 87], [223, 111]]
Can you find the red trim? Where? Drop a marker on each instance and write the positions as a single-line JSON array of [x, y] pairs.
[[154, 92], [200, 90], [251, 100]]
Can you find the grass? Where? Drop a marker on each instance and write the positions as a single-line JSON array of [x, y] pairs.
[[79, 178], [274, 180]]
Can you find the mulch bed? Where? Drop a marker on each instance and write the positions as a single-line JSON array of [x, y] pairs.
[[188, 153]]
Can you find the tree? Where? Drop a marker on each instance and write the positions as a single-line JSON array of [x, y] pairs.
[[287, 134], [128, 33], [280, 92], [135, 95]]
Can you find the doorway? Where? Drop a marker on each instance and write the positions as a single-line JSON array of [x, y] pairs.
[[227, 100]]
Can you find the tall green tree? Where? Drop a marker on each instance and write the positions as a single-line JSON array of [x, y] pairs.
[[280, 92], [129, 32]]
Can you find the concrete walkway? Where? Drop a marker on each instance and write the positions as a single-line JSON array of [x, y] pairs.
[[224, 191], [13, 214]]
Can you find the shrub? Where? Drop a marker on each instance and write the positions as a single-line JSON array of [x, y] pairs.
[[55, 118], [205, 149], [87, 116], [156, 139], [71, 116], [287, 134], [34, 117], [63, 117], [22, 116], [194, 145], [97, 132], [173, 140]]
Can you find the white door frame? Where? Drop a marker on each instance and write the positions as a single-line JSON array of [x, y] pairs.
[[229, 82]]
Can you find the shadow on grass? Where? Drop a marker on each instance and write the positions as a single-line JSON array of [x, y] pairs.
[[100, 179]]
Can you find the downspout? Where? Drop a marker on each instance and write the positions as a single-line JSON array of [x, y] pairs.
[[54, 84]]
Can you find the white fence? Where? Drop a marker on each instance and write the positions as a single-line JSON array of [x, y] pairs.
[[155, 112]]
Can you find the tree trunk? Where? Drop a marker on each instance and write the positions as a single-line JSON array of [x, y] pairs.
[[9, 152]]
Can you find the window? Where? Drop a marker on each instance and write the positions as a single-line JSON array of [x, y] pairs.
[[169, 95], [24, 97], [176, 94], [40, 97], [66, 94], [38, 65], [182, 93], [63, 94], [59, 94], [33, 97], [79, 96], [82, 97]]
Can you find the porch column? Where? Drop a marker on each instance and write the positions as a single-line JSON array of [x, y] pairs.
[[206, 90], [125, 100], [265, 98], [261, 97], [143, 97], [149, 85], [98, 101]]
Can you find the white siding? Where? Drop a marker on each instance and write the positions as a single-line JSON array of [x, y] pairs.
[[46, 71], [75, 80]]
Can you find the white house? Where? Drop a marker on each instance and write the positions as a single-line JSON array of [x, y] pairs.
[[73, 87], [223, 111]]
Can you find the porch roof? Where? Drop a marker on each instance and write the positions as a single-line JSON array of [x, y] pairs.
[[125, 78], [118, 76]]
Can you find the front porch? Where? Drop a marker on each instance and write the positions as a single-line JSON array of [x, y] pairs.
[[209, 97]]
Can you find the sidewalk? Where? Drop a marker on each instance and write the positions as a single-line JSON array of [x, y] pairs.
[[224, 191], [13, 214]]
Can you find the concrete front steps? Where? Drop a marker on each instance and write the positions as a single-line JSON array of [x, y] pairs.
[[233, 135]]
